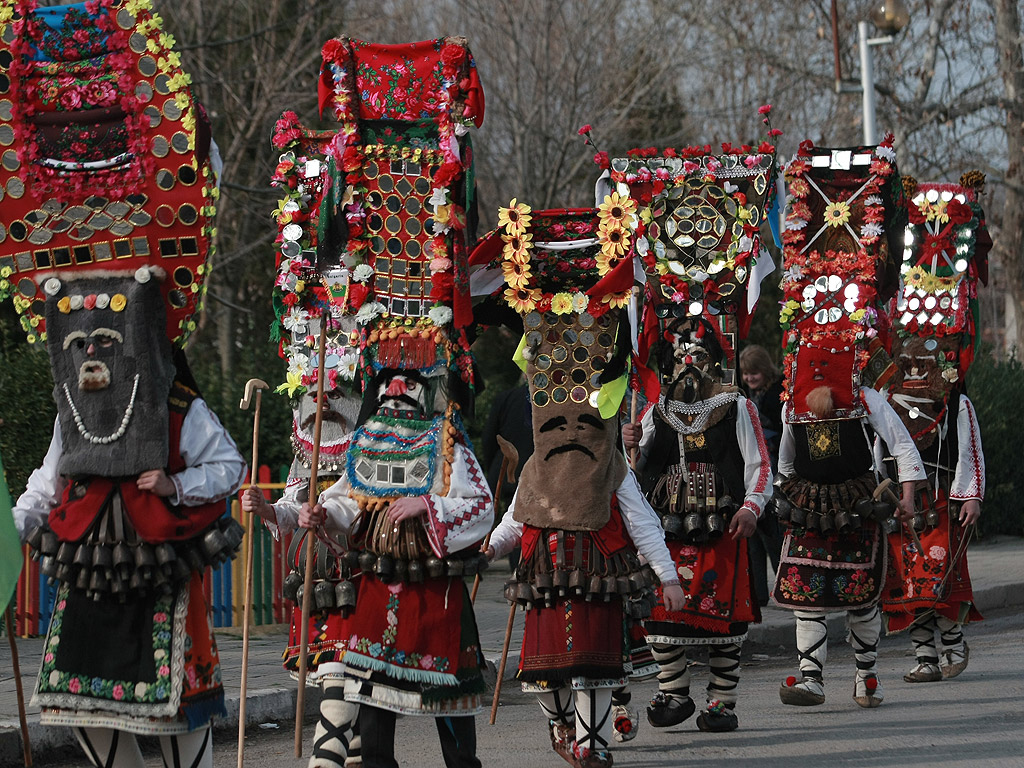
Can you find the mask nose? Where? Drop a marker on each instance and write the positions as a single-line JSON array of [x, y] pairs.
[[395, 388]]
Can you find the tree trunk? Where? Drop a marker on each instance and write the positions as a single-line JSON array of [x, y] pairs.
[[1010, 244]]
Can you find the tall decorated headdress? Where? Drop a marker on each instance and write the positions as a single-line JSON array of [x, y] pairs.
[[398, 202], [107, 191], [569, 274], [372, 221], [700, 214], [844, 232], [934, 312], [106, 162]]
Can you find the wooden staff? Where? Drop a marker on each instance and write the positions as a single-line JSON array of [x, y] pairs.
[[257, 386], [307, 584], [885, 489], [26, 746], [638, 297], [504, 658], [509, 463]]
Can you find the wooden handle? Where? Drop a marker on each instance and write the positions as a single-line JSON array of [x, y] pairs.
[[25, 744], [307, 583], [504, 658], [247, 605]]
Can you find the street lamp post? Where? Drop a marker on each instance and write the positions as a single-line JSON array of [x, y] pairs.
[[889, 17]]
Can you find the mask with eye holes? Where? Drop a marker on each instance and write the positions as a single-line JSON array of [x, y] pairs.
[[112, 372], [928, 377], [690, 358]]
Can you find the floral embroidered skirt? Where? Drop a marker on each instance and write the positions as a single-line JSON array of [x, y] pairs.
[[936, 578], [413, 648], [148, 665], [575, 642], [715, 578], [831, 572], [326, 645]]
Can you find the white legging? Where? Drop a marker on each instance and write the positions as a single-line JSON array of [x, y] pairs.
[[109, 748], [588, 709], [336, 739]]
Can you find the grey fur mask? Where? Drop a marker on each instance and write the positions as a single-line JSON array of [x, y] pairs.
[[112, 373]]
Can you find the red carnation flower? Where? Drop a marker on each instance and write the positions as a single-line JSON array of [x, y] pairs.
[[583, 130], [602, 160]]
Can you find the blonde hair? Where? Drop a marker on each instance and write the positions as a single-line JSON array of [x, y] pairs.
[[755, 359]]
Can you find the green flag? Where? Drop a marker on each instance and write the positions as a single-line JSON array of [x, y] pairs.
[[10, 546]]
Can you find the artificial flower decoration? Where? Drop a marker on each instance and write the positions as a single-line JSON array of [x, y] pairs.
[[522, 300], [616, 211], [514, 219], [836, 213], [516, 273], [561, 303], [517, 247]]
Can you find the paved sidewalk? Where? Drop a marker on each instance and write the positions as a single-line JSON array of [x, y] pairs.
[[997, 571]]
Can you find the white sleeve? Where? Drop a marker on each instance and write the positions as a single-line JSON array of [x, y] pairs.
[[888, 426], [342, 511], [508, 534], [43, 490], [787, 450], [647, 426], [214, 469], [969, 479], [286, 508], [464, 516], [757, 464], [645, 529]]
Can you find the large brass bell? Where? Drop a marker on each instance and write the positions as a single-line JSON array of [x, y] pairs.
[[290, 586], [367, 560], [715, 525], [323, 595], [577, 582], [455, 566], [385, 568], [416, 571], [673, 525], [435, 567], [560, 581], [345, 594]]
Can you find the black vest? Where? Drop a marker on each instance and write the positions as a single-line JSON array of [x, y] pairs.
[[833, 451], [721, 448]]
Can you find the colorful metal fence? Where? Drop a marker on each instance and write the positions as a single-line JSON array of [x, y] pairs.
[[224, 586]]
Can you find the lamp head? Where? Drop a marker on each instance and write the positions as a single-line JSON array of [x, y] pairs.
[[890, 16]]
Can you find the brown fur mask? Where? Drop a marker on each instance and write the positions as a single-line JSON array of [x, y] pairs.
[[575, 468]]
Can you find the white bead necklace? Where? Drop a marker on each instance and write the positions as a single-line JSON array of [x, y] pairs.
[[701, 411], [113, 435]]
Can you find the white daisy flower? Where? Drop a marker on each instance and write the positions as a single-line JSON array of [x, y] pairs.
[[887, 152], [793, 222], [872, 200], [348, 365]]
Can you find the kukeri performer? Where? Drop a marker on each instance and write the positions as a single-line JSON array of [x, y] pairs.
[[127, 510], [336, 739], [929, 590], [415, 504], [706, 469], [842, 228], [578, 512]]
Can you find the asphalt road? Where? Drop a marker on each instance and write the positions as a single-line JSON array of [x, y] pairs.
[[975, 720]]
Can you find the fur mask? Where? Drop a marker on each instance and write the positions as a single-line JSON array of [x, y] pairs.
[[575, 468]]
